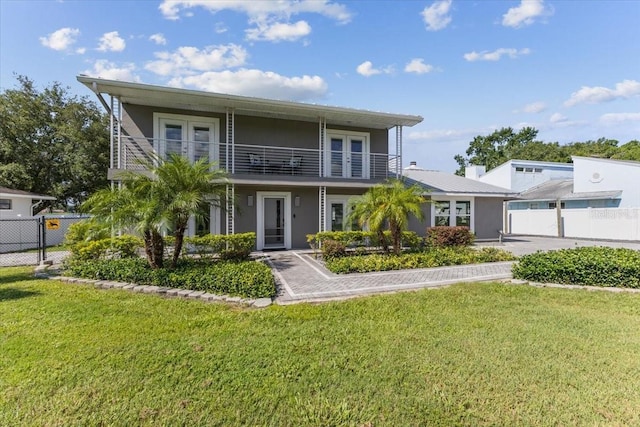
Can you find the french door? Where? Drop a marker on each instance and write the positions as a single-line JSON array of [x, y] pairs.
[[348, 156], [193, 137]]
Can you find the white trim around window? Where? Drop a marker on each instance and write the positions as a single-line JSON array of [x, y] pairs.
[[453, 211], [351, 158]]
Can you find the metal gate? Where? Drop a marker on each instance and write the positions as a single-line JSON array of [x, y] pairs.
[[24, 241]]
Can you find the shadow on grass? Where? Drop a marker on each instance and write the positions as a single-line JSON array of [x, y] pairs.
[[7, 294], [14, 278]]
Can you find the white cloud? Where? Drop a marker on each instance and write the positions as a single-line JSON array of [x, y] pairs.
[[220, 28], [61, 39], [158, 38], [260, 10], [535, 107], [109, 70], [496, 54], [437, 15], [188, 60], [557, 118], [418, 66], [111, 42], [525, 14], [81, 50], [251, 82], [366, 69], [617, 118], [279, 31], [596, 95]]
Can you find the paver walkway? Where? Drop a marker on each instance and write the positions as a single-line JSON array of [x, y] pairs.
[[302, 278]]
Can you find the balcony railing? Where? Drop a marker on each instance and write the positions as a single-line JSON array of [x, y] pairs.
[[270, 161]]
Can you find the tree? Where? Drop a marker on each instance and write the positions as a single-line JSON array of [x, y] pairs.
[[628, 151], [603, 148], [494, 149], [162, 199], [389, 203], [52, 142]]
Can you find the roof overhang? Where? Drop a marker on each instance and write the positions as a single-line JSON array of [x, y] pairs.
[[505, 196], [30, 196], [185, 99]]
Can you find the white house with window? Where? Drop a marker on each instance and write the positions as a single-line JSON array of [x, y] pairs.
[[20, 204], [520, 175]]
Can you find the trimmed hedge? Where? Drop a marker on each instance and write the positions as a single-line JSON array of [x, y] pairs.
[[435, 257], [356, 239], [225, 246], [594, 266], [250, 279], [444, 236], [125, 246]]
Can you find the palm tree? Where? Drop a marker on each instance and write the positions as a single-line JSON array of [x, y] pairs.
[[161, 199], [390, 203]]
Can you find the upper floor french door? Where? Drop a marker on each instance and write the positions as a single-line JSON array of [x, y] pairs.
[[348, 155], [193, 137]]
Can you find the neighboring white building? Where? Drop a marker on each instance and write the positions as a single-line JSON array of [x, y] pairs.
[[592, 198], [520, 175], [19, 204]]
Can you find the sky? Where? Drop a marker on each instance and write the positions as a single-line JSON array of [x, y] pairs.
[[569, 68]]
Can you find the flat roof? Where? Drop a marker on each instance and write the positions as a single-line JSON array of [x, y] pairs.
[[186, 99]]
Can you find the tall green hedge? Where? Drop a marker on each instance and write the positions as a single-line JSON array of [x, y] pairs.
[[596, 266]]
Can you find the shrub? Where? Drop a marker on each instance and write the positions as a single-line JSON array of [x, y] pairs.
[[124, 246], [333, 249], [226, 246], [251, 279], [443, 236], [82, 232], [359, 239], [434, 257], [596, 266]]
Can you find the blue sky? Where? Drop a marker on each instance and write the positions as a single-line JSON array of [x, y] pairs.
[[569, 68]]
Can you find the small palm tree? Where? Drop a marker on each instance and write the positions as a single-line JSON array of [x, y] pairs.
[[163, 198], [390, 203]]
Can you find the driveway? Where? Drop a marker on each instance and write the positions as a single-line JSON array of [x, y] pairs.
[[523, 245]]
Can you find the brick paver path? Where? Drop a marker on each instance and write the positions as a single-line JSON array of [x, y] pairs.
[[302, 278]]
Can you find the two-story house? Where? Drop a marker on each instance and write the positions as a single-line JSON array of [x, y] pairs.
[[292, 166]]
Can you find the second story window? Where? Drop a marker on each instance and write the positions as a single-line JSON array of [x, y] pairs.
[[347, 154], [190, 136]]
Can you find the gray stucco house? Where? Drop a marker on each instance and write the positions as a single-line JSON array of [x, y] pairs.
[[292, 166], [459, 201]]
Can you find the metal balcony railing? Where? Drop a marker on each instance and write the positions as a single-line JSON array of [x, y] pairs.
[[271, 161]]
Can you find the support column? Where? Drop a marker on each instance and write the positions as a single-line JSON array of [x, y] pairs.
[[322, 203], [398, 151], [230, 163], [230, 210], [322, 137]]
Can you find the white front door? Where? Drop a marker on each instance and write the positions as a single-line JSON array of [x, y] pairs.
[[273, 220]]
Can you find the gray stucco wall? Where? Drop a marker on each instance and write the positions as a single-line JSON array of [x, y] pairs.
[[420, 226], [488, 217]]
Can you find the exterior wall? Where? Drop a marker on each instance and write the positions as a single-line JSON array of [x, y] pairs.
[[137, 120], [488, 217], [20, 208], [418, 226], [567, 204], [506, 176], [607, 223], [607, 175]]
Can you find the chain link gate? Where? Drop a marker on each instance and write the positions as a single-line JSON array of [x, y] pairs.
[[24, 241]]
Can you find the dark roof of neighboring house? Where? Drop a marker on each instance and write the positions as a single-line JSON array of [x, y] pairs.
[[443, 183], [4, 191], [194, 100], [562, 189]]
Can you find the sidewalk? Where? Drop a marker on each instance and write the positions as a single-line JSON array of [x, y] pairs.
[[302, 278]]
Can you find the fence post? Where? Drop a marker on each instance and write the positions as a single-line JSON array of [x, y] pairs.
[[39, 239], [44, 238]]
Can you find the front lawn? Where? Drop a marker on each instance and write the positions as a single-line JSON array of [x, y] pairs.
[[470, 354]]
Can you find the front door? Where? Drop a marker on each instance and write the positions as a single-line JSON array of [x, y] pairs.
[[274, 213]]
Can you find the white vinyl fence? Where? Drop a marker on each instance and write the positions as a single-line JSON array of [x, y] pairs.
[[589, 223]]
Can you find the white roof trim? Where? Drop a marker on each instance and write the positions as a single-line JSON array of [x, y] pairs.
[[184, 99]]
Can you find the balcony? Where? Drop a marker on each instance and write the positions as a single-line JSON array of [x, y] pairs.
[[260, 162]]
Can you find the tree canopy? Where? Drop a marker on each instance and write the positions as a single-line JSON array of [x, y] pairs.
[[505, 144], [52, 142]]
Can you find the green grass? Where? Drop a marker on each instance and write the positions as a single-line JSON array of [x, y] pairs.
[[471, 354]]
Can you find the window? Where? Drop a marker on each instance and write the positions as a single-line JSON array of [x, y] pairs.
[[553, 205], [453, 212], [537, 170], [519, 169], [5, 204]]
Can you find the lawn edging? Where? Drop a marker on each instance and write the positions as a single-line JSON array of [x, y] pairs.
[[162, 291], [569, 286]]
